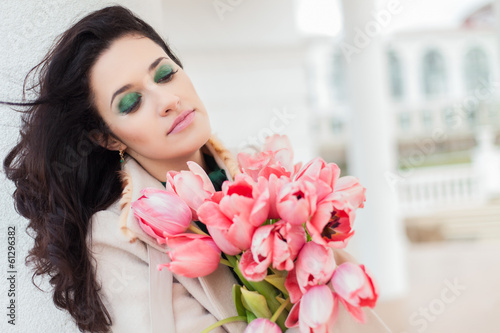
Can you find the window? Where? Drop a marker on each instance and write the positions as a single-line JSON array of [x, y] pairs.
[[471, 112], [451, 117], [404, 121], [476, 71], [337, 126], [339, 77], [434, 74], [427, 120], [395, 75]]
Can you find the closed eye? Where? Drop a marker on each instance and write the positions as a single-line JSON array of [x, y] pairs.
[[164, 74], [129, 103]]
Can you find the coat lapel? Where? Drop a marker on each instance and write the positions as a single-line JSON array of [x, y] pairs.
[[214, 291]]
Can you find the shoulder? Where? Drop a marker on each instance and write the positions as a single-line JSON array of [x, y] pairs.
[[121, 271], [106, 235]]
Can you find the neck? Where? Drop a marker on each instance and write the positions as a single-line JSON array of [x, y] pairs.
[[159, 169]]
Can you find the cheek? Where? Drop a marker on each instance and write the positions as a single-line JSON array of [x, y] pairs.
[[188, 89], [135, 137], [134, 132]]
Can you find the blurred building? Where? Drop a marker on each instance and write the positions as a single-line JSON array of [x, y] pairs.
[[444, 92]]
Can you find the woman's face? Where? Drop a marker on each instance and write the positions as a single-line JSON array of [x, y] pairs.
[[148, 102]]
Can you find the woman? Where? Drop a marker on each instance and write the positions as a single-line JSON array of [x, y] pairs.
[[115, 111]]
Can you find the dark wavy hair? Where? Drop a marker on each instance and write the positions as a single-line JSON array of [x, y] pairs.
[[61, 172]]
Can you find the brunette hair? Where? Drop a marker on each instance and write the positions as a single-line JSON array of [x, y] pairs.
[[61, 173]]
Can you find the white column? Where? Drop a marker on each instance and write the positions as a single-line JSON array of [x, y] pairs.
[[379, 241], [486, 163], [496, 7]]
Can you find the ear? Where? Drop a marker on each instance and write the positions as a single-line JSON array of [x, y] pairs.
[[107, 141]]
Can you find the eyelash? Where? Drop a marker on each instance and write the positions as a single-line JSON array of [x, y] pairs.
[[165, 79]]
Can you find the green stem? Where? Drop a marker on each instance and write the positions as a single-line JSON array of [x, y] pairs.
[[196, 230], [265, 289], [234, 264], [309, 238], [224, 321], [280, 310], [225, 262]]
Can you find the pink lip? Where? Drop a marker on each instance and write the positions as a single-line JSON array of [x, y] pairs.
[[182, 121]]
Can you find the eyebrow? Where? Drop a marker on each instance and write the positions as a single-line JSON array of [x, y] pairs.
[[128, 86]]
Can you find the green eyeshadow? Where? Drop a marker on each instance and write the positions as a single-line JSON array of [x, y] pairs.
[[128, 102], [162, 72]]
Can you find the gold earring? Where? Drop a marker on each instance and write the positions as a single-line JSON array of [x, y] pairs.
[[121, 156]]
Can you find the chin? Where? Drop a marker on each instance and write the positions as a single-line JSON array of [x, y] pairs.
[[200, 138]]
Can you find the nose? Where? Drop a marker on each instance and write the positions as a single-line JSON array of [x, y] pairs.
[[166, 101]]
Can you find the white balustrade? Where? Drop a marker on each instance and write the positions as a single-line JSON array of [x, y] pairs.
[[425, 190]]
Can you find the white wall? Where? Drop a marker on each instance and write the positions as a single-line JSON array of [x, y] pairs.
[[28, 29]]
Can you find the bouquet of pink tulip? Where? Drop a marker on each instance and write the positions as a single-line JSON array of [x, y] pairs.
[[276, 225]]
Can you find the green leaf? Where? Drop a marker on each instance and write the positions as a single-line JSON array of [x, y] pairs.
[[255, 302], [237, 300], [264, 288], [282, 300], [250, 316], [236, 269], [278, 282], [223, 322]]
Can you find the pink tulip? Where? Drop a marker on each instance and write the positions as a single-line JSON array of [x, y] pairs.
[[282, 148], [192, 255], [261, 164], [330, 226], [194, 186], [296, 201], [277, 244], [161, 214], [288, 241], [246, 199], [253, 270], [262, 325], [315, 265], [355, 287], [252, 164], [324, 175], [292, 286], [275, 158], [255, 262], [232, 215], [274, 184], [356, 312], [315, 312], [349, 191]]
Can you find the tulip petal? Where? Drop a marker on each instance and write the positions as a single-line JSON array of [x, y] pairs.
[[356, 312], [161, 213], [210, 214], [252, 270], [198, 170], [293, 317], [355, 287], [220, 238], [317, 306], [292, 286], [262, 325], [192, 255]]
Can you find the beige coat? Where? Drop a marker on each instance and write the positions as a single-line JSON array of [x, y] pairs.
[[142, 299]]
